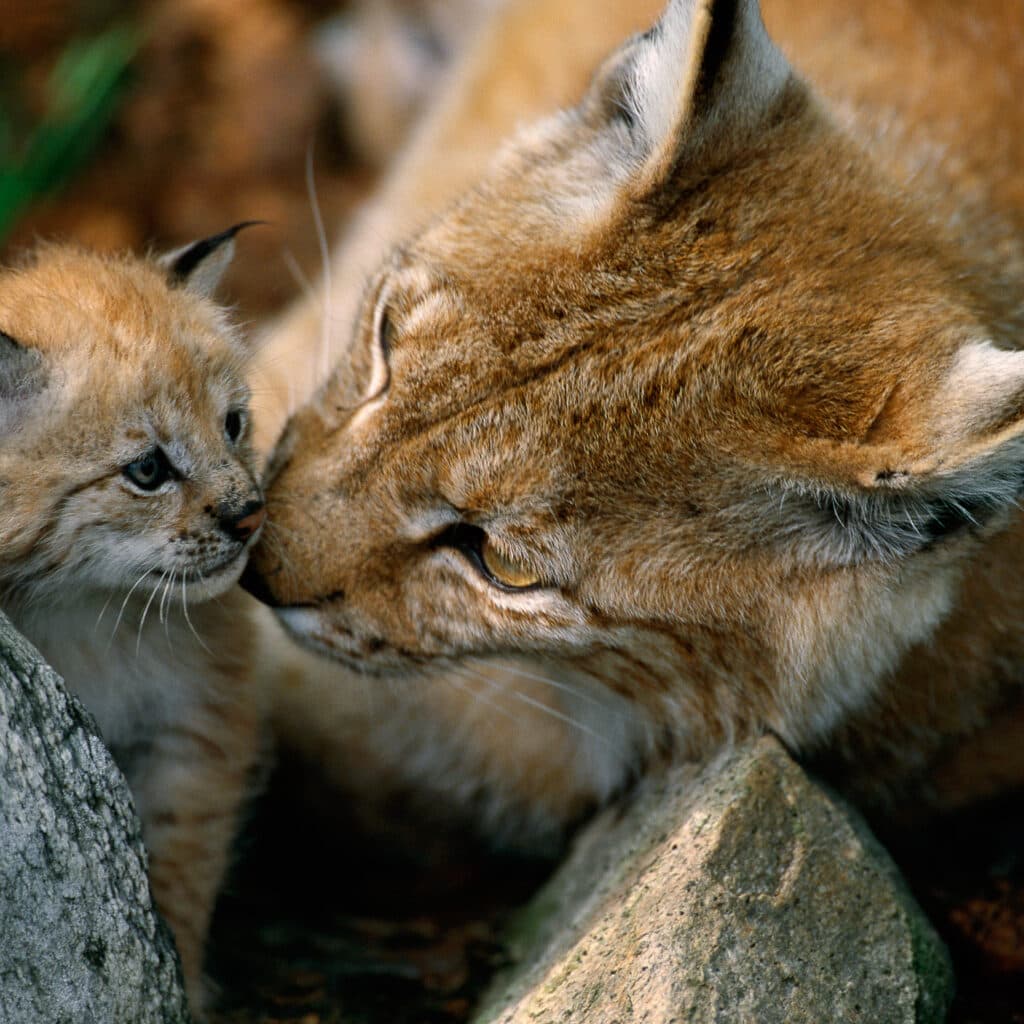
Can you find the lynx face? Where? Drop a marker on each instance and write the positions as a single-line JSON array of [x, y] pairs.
[[684, 393], [125, 461]]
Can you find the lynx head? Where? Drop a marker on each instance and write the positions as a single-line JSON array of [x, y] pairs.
[[686, 392], [124, 438]]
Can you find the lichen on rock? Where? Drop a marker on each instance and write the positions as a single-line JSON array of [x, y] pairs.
[[740, 892], [80, 942]]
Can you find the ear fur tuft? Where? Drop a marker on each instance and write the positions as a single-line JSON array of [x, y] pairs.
[[200, 265], [22, 376], [952, 466], [835, 527], [706, 75]]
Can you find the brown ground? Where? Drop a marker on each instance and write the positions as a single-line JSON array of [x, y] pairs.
[[225, 105]]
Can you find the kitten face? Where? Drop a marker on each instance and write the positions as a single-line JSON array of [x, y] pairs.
[[125, 460]]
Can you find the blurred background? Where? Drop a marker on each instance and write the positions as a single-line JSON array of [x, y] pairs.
[[154, 122]]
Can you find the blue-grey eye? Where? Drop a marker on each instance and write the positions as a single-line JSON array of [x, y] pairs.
[[234, 422], [149, 472]]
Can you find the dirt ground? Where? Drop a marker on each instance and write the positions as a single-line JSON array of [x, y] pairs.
[[224, 107], [224, 104]]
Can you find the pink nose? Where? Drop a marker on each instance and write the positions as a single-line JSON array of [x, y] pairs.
[[245, 528]]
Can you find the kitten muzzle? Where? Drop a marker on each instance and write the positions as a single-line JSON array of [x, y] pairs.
[[243, 524]]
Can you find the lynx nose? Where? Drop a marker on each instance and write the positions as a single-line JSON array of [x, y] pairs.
[[242, 525]]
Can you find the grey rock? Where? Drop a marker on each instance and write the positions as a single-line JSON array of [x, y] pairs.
[[743, 892], [80, 941]]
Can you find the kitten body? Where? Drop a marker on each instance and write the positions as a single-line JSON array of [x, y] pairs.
[[127, 507]]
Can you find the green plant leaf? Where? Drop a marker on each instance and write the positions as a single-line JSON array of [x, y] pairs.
[[83, 93]]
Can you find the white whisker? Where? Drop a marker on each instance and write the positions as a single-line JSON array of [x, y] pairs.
[[300, 278], [321, 236], [145, 611], [163, 597], [188, 619], [103, 611], [515, 670], [479, 695], [548, 710], [124, 605]]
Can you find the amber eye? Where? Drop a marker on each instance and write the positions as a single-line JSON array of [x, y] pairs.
[[478, 548], [149, 472], [507, 572]]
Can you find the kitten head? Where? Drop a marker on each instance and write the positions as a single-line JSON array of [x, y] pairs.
[[687, 390], [125, 459]]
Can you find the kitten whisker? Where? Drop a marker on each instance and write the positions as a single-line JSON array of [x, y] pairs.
[[145, 612], [103, 611], [188, 618], [124, 605], [162, 608], [325, 256]]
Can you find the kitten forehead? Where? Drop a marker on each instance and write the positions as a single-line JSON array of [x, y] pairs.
[[69, 300]]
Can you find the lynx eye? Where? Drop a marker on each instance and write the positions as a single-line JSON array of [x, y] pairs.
[[234, 424], [385, 333], [480, 550], [504, 570], [149, 472]]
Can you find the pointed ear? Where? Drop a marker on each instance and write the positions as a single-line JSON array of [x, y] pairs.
[[200, 266], [22, 376], [952, 466], [705, 77]]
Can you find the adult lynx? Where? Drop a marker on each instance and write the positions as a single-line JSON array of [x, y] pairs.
[[703, 399]]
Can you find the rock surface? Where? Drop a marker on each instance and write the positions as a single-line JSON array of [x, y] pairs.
[[740, 893], [80, 942]]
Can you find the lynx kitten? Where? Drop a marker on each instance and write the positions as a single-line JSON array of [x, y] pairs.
[[127, 498]]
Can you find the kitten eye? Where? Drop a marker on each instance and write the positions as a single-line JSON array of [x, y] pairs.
[[479, 549], [149, 472], [234, 423]]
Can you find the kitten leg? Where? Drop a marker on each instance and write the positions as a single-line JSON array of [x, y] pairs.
[[189, 791]]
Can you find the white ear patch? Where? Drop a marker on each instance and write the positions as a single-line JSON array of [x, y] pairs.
[[707, 70], [985, 386]]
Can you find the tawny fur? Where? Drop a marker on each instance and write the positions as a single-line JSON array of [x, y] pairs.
[[726, 356], [105, 359], [385, 58]]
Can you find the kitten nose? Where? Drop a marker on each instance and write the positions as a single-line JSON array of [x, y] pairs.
[[242, 525]]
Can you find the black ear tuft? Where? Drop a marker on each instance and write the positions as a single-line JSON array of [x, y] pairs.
[[704, 79], [200, 265]]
